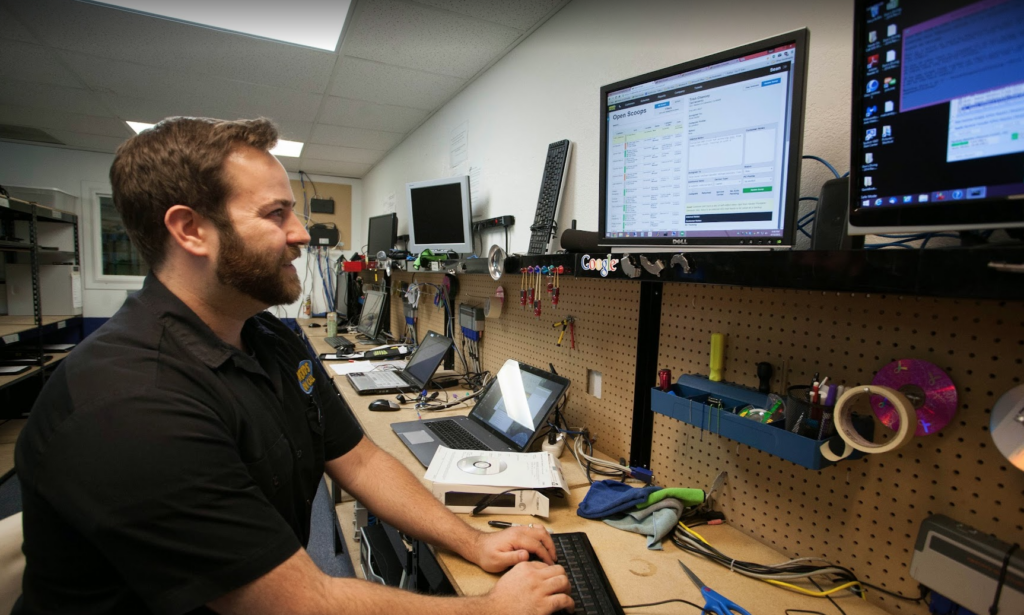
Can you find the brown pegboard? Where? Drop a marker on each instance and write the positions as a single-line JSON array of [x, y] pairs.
[[861, 514], [605, 330]]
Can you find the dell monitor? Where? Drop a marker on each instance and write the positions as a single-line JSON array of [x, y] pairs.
[[372, 316], [938, 102], [381, 235], [706, 154], [440, 215]]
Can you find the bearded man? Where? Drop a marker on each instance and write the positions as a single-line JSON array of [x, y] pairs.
[[170, 462]]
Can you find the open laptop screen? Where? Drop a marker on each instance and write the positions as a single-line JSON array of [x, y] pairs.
[[373, 312], [427, 357], [518, 402]]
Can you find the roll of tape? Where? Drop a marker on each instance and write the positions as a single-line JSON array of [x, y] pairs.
[[853, 441], [493, 305]]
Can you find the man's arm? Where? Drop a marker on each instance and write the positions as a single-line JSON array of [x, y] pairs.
[[297, 586], [386, 487]]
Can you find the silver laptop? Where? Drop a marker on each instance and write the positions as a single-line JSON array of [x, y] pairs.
[[418, 371], [509, 416]]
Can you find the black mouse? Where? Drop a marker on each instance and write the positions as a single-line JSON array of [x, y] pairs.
[[384, 405]]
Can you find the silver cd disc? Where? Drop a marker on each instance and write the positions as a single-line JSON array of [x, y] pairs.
[[481, 465]]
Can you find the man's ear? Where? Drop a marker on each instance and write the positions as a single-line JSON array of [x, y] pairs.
[[190, 230]]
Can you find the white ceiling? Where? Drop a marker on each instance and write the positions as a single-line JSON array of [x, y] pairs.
[[77, 71]]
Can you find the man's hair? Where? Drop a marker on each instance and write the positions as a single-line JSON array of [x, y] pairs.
[[180, 161]]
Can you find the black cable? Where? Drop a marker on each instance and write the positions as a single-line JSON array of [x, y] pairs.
[[1002, 578], [694, 605], [315, 191], [829, 596], [788, 611]]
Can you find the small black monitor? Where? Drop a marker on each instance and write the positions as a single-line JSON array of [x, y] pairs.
[[938, 97], [440, 215], [381, 235], [371, 319]]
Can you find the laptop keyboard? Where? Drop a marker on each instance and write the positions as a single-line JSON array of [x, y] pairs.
[[386, 378], [455, 436], [590, 589]]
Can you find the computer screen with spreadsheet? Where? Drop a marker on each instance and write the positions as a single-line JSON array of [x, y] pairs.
[[706, 154]]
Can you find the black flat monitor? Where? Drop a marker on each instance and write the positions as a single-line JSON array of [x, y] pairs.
[[706, 154], [372, 316], [938, 116], [440, 215], [381, 235]]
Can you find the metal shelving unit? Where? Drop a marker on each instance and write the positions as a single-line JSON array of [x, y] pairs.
[[26, 334]]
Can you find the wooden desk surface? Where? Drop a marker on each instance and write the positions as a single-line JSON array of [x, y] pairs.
[[637, 575]]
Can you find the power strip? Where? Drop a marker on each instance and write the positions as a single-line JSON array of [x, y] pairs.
[[500, 221]]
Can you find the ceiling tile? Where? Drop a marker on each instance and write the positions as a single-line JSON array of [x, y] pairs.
[[342, 154], [34, 63], [521, 14], [228, 98], [376, 82], [335, 169], [326, 134], [72, 122], [111, 33], [375, 116], [420, 37], [93, 143], [13, 29], [51, 97]]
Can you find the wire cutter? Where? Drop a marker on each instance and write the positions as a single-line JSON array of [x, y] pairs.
[[714, 602]]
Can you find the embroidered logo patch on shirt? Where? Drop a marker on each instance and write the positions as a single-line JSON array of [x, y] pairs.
[[305, 376]]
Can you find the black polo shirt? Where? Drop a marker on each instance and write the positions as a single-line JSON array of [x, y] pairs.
[[162, 468]]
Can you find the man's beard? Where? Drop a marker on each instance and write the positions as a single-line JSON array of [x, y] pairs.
[[261, 276]]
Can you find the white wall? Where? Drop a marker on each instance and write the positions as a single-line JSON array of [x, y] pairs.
[[547, 89], [77, 173]]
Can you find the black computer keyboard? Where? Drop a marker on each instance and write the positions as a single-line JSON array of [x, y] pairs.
[[455, 436], [590, 591], [551, 189], [340, 343]]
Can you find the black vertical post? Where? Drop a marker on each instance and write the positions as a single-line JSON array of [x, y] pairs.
[[647, 334]]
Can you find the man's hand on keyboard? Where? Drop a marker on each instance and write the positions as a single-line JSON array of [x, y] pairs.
[[497, 551], [531, 588]]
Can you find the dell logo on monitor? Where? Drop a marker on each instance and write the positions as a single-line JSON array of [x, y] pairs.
[[678, 242]]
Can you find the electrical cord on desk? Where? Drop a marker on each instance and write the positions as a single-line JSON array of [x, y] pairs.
[[669, 601], [777, 574]]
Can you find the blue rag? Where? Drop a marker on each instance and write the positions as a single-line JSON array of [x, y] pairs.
[[608, 497]]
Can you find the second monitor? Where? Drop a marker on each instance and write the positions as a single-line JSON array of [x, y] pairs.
[[440, 215]]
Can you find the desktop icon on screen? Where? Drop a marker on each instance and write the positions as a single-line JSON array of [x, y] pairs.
[[889, 107], [890, 56], [875, 10], [922, 198], [867, 181], [869, 158], [892, 5], [871, 111], [873, 60], [870, 134], [891, 30], [889, 83], [873, 85], [872, 37], [908, 199], [886, 132]]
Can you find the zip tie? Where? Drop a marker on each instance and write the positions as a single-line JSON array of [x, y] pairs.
[[731, 564]]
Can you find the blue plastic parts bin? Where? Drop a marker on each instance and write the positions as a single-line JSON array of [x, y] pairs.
[[687, 403]]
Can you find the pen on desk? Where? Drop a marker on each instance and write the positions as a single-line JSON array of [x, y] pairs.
[[506, 524]]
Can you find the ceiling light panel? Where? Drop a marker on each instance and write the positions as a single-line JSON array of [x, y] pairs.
[[309, 23]]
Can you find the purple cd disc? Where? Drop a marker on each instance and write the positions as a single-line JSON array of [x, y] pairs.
[[927, 387]]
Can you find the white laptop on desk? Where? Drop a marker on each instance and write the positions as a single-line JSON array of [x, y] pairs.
[[420, 369], [509, 416]]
